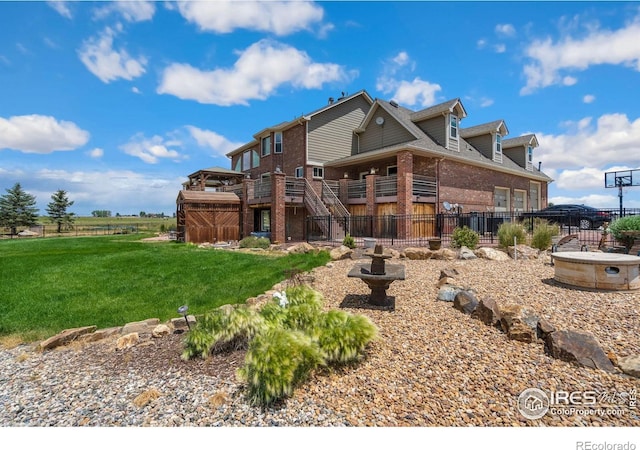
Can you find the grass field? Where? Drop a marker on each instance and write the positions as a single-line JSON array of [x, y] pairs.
[[47, 285]]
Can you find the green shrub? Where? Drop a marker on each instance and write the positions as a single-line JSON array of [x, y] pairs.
[[510, 230], [349, 241], [277, 361], [255, 242], [227, 328], [344, 336], [619, 226], [543, 234], [464, 237]]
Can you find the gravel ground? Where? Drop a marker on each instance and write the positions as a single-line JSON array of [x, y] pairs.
[[433, 365]]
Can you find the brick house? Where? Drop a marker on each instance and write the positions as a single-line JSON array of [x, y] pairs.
[[359, 157]]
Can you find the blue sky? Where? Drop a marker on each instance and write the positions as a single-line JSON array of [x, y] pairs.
[[117, 102]]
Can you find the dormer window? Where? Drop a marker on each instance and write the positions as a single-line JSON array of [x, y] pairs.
[[529, 157], [497, 149], [453, 126]]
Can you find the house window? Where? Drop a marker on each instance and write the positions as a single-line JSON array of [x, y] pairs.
[[299, 172], [529, 158], [392, 170], [318, 172], [453, 126], [277, 142], [246, 160], [265, 220], [238, 166], [497, 153], [501, 199], [534, 196], [266, 146], [519, 200]]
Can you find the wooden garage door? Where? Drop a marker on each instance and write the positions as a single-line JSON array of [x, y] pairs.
[[424, 220]]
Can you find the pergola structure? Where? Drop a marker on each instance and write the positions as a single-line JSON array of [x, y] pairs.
[[212, 177]]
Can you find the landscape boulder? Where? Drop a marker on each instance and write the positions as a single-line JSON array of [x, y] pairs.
[[417, 253], [488, 312], [449, 273], [143, 326], [578, 348], [445, 254], [491, 254], [161, 331], [342, 252], [519, 323], [465, 301], [630, 365], [466, 253], [522, 251], [66, 336], [545, 328], [303, 247], [97, 335], [447, 293], [180, 322], [126, 341]]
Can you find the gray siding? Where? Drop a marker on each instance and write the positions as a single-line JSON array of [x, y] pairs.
[[331, 131], [436, 127], [483, 143], [517, 154], [391, 133]]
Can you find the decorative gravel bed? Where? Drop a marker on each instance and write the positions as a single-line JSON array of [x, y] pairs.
[[432, 366]]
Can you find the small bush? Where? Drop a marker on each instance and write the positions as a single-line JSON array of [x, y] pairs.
[[543, 235], [344, 336], [349, 241], [255, 242], [276, 362], [510, 230], [619, 226], [464, 237]]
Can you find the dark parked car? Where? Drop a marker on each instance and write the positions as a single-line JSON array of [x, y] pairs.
[[584, 217]]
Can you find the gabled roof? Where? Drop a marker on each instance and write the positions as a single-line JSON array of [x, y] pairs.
[[485, 128], [520, 141], [216, 170], [450, 106], [298, 120]]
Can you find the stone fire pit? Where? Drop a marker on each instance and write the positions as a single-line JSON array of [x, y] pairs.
[[610, 271]]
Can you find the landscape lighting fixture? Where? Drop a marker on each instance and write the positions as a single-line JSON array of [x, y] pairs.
[[183, 310]]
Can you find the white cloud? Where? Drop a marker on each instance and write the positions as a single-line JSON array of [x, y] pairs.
[[277, 17], [500, 48], [62, 8], [40, 134], [219, 144], [505, 29], [108, 64], [96, 153], [410, 93], [135, 90], [548, 58], [569, 81], [589, 98], [485, 102], [151, 150], [482, 43], [133, 11], [401, 59], [612, 140], [593, 200], [258, 72]]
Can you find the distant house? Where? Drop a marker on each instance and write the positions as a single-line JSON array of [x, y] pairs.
[[359, 157]]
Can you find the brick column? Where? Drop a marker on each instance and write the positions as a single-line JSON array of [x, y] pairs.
[[278, 209], [344, 191], [405, 192], [247, 213]]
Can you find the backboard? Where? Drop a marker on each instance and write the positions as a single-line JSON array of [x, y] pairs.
[[622, 178]]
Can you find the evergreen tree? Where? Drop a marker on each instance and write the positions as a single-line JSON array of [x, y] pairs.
[[17, 209], [57, 209]]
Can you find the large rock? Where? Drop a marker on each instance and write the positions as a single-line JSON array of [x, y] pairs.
[[66, 336], [97, 335], [519, 323], [126, 341], [180, 322], [303, 247], [522, 251], [446, 254], [447, 293], [630, 365], [466, 253], [488, 312], [465, 302], [578, 348], [342, 252], [144, 326], [545, 328], [449, 273], [417, 253], [161, 331], [491, 254]]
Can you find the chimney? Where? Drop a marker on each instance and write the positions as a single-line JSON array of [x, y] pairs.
[[331, 100]]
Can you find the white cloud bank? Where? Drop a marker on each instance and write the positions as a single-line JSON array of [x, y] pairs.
[[61, 8], [107, 63], [409, 93], [258, 72], [40, 134], [212, 140], [549, 58], [134, 11], [280, 18], [151, 150]]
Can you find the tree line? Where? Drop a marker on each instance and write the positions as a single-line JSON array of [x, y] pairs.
[[17, 209]]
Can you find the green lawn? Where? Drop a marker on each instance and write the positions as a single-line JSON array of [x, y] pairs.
[[47, 285]]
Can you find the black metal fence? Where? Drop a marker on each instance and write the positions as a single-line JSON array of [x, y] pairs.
[[418, 229]]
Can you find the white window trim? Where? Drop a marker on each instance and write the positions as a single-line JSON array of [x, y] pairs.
[[320, 177], [525, 197], [529, 158], [301, 170], [275, 142], [452, 127], [539, 186], [262, 148], [497, 144], [506, 207]]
